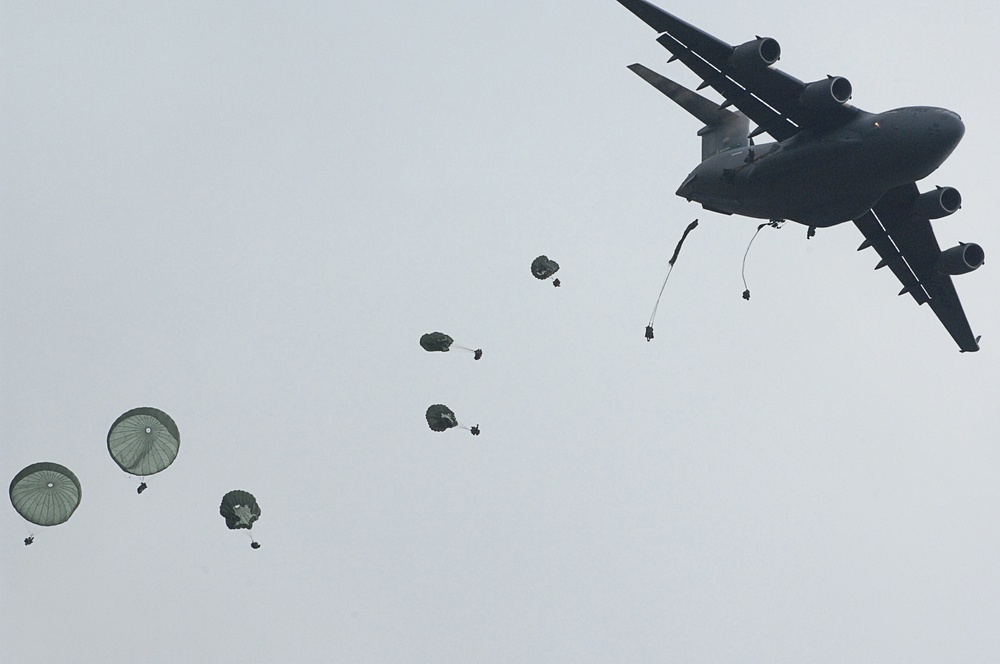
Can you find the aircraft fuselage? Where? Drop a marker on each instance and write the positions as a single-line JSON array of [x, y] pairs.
[[825, 178]]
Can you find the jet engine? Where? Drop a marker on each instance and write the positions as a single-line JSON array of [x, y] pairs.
[[830, 92], [938, 203], [966, 257], [759, 52]]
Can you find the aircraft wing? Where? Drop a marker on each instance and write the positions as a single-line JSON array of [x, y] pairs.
[[771, 98], [908, 247]]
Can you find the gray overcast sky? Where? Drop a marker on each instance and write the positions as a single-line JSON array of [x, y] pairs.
[[246, 214]]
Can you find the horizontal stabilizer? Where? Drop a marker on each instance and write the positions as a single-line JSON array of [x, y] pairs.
[[704, 109], [724, 129]]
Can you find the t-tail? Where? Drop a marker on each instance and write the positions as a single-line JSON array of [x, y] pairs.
[[724, 130]]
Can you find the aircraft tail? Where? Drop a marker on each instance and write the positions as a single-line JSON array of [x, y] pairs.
[[724, 129]]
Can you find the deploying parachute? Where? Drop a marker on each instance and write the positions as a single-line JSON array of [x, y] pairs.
[[774, 223], [143, 442], [441, 342], [543, 268], [673, 259], [441, 418], [240, 509], [46, 494]]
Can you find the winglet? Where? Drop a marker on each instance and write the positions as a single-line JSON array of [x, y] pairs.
[[972, 350]]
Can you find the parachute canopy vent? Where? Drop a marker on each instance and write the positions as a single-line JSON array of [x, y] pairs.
[[46, 494], [144, 441]]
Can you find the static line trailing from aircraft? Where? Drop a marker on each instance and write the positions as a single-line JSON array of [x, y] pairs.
[[830, 163]]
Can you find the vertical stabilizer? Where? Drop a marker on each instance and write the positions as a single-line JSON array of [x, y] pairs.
[[724, 129]]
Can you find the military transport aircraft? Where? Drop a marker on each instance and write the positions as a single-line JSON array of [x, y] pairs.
[[831, 163]]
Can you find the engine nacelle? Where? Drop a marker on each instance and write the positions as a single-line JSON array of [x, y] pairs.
[[832, 91], [756, 53], [966, 257], [938, 203]]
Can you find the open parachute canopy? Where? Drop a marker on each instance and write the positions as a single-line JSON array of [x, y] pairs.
[[240, 509], [441, 342], [144, 441], [436, 341], [543, 267], [46, 494], [441, 418]]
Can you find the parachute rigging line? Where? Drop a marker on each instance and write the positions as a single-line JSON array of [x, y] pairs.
[[476, 352], [441, 342], [673, 259], [774, 223]]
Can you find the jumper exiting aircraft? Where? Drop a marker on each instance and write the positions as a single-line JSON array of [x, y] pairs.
[[831, 163]]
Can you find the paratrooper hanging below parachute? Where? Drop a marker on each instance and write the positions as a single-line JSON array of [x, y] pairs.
[[45, 494], [441, 342], [240, 510], [441, 418], [143, 442]]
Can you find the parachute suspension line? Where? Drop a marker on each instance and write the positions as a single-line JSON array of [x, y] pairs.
[[30, 539], [652, 317], [774, 223], [673, 259], [476, 352], [474, 429]]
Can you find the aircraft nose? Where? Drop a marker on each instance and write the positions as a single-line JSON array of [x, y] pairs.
[[950, 126]]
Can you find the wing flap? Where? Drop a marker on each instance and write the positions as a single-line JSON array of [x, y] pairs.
[[915, 238], [710, 47], [914, 235], [751, 106], [907, 244], [768, 96], [877, 237]]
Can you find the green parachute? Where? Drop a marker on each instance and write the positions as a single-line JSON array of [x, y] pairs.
[[436, 341], [46, 494], [441, 342], [441, 418], [240, 510], [144, 441], [543, 267]]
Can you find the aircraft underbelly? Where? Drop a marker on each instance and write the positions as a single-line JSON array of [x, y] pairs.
[[821, 185]]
